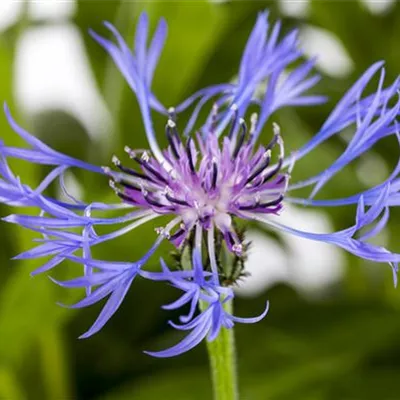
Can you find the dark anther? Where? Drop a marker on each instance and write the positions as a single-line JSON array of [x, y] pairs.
[[132, 172], [281, 179], [233, 122], [262, 205], [189, 155], [260, 169], [272, 202], [273, 172], [177, 234], [125, 198], [150, 169], [171, 139], [152, 201], [129, 186], [176, 201], [273, 142], [241, 136], [214, 175]]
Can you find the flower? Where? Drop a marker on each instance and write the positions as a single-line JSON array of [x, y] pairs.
[[205, 182]]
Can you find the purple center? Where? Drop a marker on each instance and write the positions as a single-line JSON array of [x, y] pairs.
[[205, 182]]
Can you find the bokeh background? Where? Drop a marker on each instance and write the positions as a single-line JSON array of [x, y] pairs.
[[334, 322]]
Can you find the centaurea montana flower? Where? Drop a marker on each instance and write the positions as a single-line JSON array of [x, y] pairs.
[[206, 182]]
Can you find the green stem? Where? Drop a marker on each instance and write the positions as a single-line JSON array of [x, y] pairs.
[[222, 357]]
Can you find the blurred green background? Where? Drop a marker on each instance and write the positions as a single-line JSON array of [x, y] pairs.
[[336, 340]]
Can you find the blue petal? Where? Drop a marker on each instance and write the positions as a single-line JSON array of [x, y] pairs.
[[135, 68], [341, 112], [140, 42], [190, 341], [56, 260], [94, 279], [217, 316], [43, 250], [101, 292], [184, 299], [156, 46], [109, 309], [48, 155], [251, 320]]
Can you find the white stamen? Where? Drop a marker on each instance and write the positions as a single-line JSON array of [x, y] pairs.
[[112, 185], [162, 231], [115, 160], [129, 151], [253, 122], [145, 156], [276, 128], [171, 123], [281, 147], [267, 154]]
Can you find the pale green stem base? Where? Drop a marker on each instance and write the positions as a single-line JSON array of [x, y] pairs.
[[222, 357]]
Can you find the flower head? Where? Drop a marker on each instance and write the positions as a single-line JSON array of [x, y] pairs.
[[205, 184], [210, 180]]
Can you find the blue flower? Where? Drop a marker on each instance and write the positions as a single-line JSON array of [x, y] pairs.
[[205, 182]]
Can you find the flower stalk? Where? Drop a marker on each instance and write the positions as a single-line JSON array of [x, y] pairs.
[[222, 357]]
